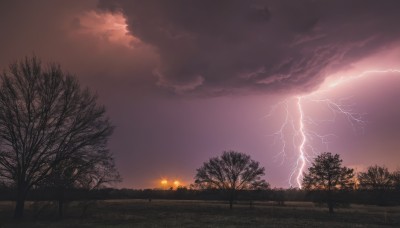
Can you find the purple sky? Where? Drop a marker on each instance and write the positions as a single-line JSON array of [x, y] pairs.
[[183, 80]]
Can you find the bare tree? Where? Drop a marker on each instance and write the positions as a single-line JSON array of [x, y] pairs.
[[376, 178], [328, 175], [91, 172], [46, 119], [232, 172]]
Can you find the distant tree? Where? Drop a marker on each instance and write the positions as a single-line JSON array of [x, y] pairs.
[[327, 174], [48, 124], [376, 178], [232, 172], [396, 180], [94, 171]]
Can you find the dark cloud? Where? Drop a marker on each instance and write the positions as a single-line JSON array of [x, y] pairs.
[[214, 47]]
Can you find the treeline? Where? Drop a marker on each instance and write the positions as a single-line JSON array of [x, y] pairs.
[[389, 197], [333, 184]]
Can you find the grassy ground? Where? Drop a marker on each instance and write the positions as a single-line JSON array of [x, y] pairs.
[[164, 213]]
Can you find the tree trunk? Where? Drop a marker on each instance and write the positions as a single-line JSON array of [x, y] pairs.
[[330, 205], [61, 202], [330, 201], [85, 207], [20, 203], [231, 198], [60, 208]]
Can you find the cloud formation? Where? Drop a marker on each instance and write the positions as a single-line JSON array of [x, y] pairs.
[[86, 41], [233, 46]]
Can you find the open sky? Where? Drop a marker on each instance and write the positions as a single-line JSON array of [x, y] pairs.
[[184, 80]]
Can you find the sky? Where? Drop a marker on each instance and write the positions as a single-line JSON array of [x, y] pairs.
[[184, 80]]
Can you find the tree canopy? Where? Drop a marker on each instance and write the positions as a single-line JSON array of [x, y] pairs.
[[376, 178], [326, 173], [232, 171], [47, 122]]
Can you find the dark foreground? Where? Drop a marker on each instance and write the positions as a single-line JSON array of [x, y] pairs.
[[175, 213]]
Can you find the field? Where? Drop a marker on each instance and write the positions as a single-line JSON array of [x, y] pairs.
[[175, 213]]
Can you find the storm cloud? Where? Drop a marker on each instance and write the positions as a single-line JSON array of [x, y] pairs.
[[232, 46]]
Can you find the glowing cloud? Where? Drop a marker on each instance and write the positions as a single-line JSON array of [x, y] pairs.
[[106, 27]]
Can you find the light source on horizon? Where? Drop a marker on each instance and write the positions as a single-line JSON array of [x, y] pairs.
[[177, 183], [164, 182]]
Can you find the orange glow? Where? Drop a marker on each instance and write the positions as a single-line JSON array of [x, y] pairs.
[[110, 27], [169, 183], [164, 182]]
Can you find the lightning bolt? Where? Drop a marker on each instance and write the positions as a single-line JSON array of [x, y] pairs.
[[302, 136], [301, 161], [280, 133]]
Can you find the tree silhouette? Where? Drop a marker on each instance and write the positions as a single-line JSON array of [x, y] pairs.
[[91, 172], [47, 123], [396, 179], [327, 174], [232, 172], [376, 178]]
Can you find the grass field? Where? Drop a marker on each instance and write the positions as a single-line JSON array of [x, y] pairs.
[[174, 213]]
